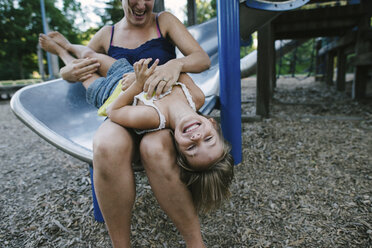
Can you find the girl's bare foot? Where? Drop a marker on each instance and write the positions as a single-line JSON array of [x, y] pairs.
[[49, 45], [60, 40]]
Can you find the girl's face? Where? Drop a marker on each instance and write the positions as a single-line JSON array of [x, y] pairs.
[[199, 141], [138, 12]]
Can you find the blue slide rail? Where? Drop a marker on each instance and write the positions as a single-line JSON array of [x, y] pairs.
[[229, 62]]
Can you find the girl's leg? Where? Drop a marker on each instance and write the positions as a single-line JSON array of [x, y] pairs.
[[113, 149], [49, 45], [158, 156], [81, 51]]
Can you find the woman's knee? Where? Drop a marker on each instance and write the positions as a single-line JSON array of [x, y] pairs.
[[157, 149], [112, 145]]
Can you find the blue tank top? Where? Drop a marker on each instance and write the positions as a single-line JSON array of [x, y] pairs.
[[158, 48]]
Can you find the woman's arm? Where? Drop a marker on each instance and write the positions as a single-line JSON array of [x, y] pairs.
[[100, 42], [195, 60], [79, 70]]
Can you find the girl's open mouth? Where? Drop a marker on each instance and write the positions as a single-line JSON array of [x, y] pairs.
[[191, 127]]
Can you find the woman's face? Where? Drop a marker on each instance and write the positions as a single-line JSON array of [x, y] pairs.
[[138, 12], [199, 141]]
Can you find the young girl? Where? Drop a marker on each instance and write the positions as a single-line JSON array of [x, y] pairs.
[[203, 154]]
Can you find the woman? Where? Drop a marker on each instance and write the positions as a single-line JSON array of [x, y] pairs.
[[115, 148], [203, 154]]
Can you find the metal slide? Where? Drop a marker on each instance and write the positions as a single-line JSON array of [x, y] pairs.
[[282, 47], [58, 112]]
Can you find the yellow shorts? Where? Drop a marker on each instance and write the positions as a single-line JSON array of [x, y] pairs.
[[102, 110]]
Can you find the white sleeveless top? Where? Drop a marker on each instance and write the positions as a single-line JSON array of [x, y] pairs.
[[150, 102]]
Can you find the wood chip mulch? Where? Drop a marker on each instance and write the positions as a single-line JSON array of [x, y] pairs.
[[306, 181]]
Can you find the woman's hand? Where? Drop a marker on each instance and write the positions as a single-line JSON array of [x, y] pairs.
[[79, 70], [143, 72], [163, 78]]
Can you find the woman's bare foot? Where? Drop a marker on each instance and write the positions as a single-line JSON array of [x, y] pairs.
[[60, 40], [49, 45]]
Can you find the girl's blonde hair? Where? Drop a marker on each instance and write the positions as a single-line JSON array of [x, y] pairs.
[[209, 188]]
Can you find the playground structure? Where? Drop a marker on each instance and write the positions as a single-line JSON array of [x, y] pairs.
[[356, 42], [346, 31], [69, 122]]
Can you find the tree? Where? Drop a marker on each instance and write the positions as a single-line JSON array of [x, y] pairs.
[[206, 9], [20, 26], [112, 13], [298, 61]]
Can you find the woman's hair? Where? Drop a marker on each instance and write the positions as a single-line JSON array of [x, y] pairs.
[[210, 187]]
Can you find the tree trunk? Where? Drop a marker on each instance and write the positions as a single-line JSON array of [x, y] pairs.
[[191, 13], [20, 68], [159, 6]]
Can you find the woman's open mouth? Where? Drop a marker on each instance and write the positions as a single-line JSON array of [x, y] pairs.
[[139, 14]]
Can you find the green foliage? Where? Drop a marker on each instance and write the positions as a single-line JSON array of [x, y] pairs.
[[20, 26], [206, 10], [112, 13], [245, 50], [300, 60], [87, 35]]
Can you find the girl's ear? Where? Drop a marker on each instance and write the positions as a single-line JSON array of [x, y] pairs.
[[214, 122], [211, 119]]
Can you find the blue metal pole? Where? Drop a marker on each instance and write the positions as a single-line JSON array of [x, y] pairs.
[[96, 210], [45, 32], [229, 61]]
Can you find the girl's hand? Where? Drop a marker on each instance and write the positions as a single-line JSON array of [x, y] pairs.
[[128, 79], [163, 78], [79, 70], [143, 72]]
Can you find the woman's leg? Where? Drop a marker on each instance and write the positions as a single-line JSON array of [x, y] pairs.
[[113, 150], [158, 156]]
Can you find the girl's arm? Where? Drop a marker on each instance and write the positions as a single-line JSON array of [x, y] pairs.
[[139, 117], [116, 111]]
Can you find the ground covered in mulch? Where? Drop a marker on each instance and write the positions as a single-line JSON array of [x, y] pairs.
[[306, 181]]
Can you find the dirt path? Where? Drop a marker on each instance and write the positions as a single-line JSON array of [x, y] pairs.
[[306, 181]]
